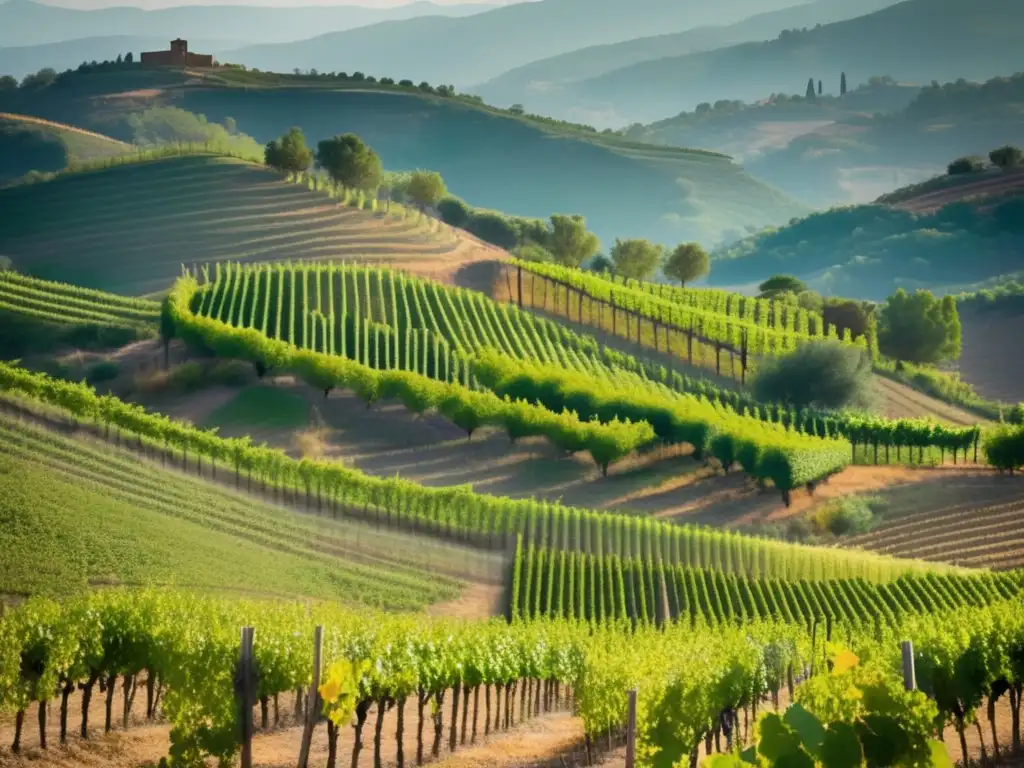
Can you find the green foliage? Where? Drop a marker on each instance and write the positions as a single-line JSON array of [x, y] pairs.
[[533, 252], [965, 165], [289, 153], [1007, 157], [822, 374], [350, 162], [426, 188], [569, 241], [637, 259], [105, 370], [846, 516], [1004, 447], [781, 284], [686, 263], [454, 211], [158, 126], [919, 328], [494, 228]]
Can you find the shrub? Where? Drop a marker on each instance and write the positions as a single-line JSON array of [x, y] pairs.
[[1015, 415], [1004, 448], [231, 373], [919, 328], [825, 374], [846, 516], [965, 165], [105, 370], [454, 211], [187, 377], [1007, 157], [289, 153], [493, 228], [535, 253]]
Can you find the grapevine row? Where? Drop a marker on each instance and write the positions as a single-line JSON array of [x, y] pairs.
[[458, 512], [549, 583]]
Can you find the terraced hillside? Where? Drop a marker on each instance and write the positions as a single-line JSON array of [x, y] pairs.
[[989, 536], [33, 144], [489, 157], [79, 512], [66, 304], [129, 229]]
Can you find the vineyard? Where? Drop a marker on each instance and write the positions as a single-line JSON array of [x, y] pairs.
[[68, 304], [557, 584], [695, 326], [129, 228], [694, 681], [452, 513]]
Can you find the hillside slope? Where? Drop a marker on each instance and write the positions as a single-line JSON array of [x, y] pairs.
[[468, 50], [868, 251], [910, 41], [78, 513], [129, 229], [30, 143], [492, 160], [26, 22], [539, 84]]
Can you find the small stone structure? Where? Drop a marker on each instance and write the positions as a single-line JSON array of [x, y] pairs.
[[177, 56]]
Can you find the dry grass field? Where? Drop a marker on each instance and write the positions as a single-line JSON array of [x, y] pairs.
[[129, 229]]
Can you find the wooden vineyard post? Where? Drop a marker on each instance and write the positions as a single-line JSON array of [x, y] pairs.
[[631, 729], [743, 360], [718, 358], [519, 285], [245, 691], [909, 673], [313, 699]]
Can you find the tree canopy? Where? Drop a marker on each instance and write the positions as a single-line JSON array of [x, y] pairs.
[[454, 211], [822, 374], [1007, 157], [288, 153], [426, 188], [569, 241], [638, 259], [686, 263], [919, 328], [781, 284], [350, 161]]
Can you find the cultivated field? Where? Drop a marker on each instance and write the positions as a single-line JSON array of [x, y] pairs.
[[79, 512], [129, 229]]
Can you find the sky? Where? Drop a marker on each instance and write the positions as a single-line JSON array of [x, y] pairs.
[[151, 4]]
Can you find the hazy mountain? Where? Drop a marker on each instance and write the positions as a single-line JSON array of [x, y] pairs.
[[25, 22], [469, 50], [538, 85], [917, 40], [20, 61]]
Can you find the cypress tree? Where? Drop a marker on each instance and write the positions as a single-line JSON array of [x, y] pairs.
[[810, 89], [842, 84]]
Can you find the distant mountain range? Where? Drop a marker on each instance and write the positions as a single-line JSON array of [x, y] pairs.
[[68, 54], [26, 22], [916, 40], [538, 85], [465, 51]]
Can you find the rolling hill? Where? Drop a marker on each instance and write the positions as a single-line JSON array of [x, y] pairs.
[[468, 50], [539, 84], [26, 22], [489, 158], [916, 40], [30, 143], [92, 228]]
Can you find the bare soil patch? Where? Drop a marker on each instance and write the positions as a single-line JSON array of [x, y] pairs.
[[991, 360]]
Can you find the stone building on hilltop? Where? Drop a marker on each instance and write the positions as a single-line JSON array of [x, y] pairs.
[[177, 56]]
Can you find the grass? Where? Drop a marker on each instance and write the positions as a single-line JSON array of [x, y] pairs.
[[129, 229], [30, 143], [261, 408], [77, 513]]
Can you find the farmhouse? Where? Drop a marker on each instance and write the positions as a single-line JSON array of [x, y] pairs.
[[177, 55]]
